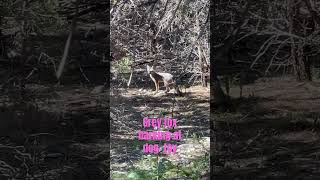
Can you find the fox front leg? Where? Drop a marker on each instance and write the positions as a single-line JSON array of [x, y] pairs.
[[158, 86], [155, 84], [167, 87]]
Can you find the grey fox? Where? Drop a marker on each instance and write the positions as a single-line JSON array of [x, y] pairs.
[[166, 78]]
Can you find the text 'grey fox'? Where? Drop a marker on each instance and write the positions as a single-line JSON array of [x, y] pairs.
[[166, 78]]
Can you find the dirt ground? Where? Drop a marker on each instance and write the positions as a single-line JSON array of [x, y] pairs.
[[49, 132], [274, 134], [61, 132], [130, 106]]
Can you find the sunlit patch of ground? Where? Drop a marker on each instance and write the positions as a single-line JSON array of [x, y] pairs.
[[129, 106]]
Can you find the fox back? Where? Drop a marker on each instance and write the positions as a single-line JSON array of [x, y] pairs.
[[166, 78], [156, 76]]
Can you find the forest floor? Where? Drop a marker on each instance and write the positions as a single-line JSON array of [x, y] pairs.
[[274, 133], [62, 132], [192, 110], [53, 132]]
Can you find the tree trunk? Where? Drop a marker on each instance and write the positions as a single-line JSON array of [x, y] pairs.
[[300, 61], [222, 55], [203, 67]]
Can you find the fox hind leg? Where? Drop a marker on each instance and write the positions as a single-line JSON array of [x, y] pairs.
[[158, 86], [166, 84]]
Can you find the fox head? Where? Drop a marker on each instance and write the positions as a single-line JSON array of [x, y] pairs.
[[149, 69]]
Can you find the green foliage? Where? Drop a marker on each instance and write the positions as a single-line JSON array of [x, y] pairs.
[[123, 65], [153, 167], [113, 2]]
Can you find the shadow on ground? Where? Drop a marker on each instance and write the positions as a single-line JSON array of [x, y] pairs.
[[57, 133], [273, 135]]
